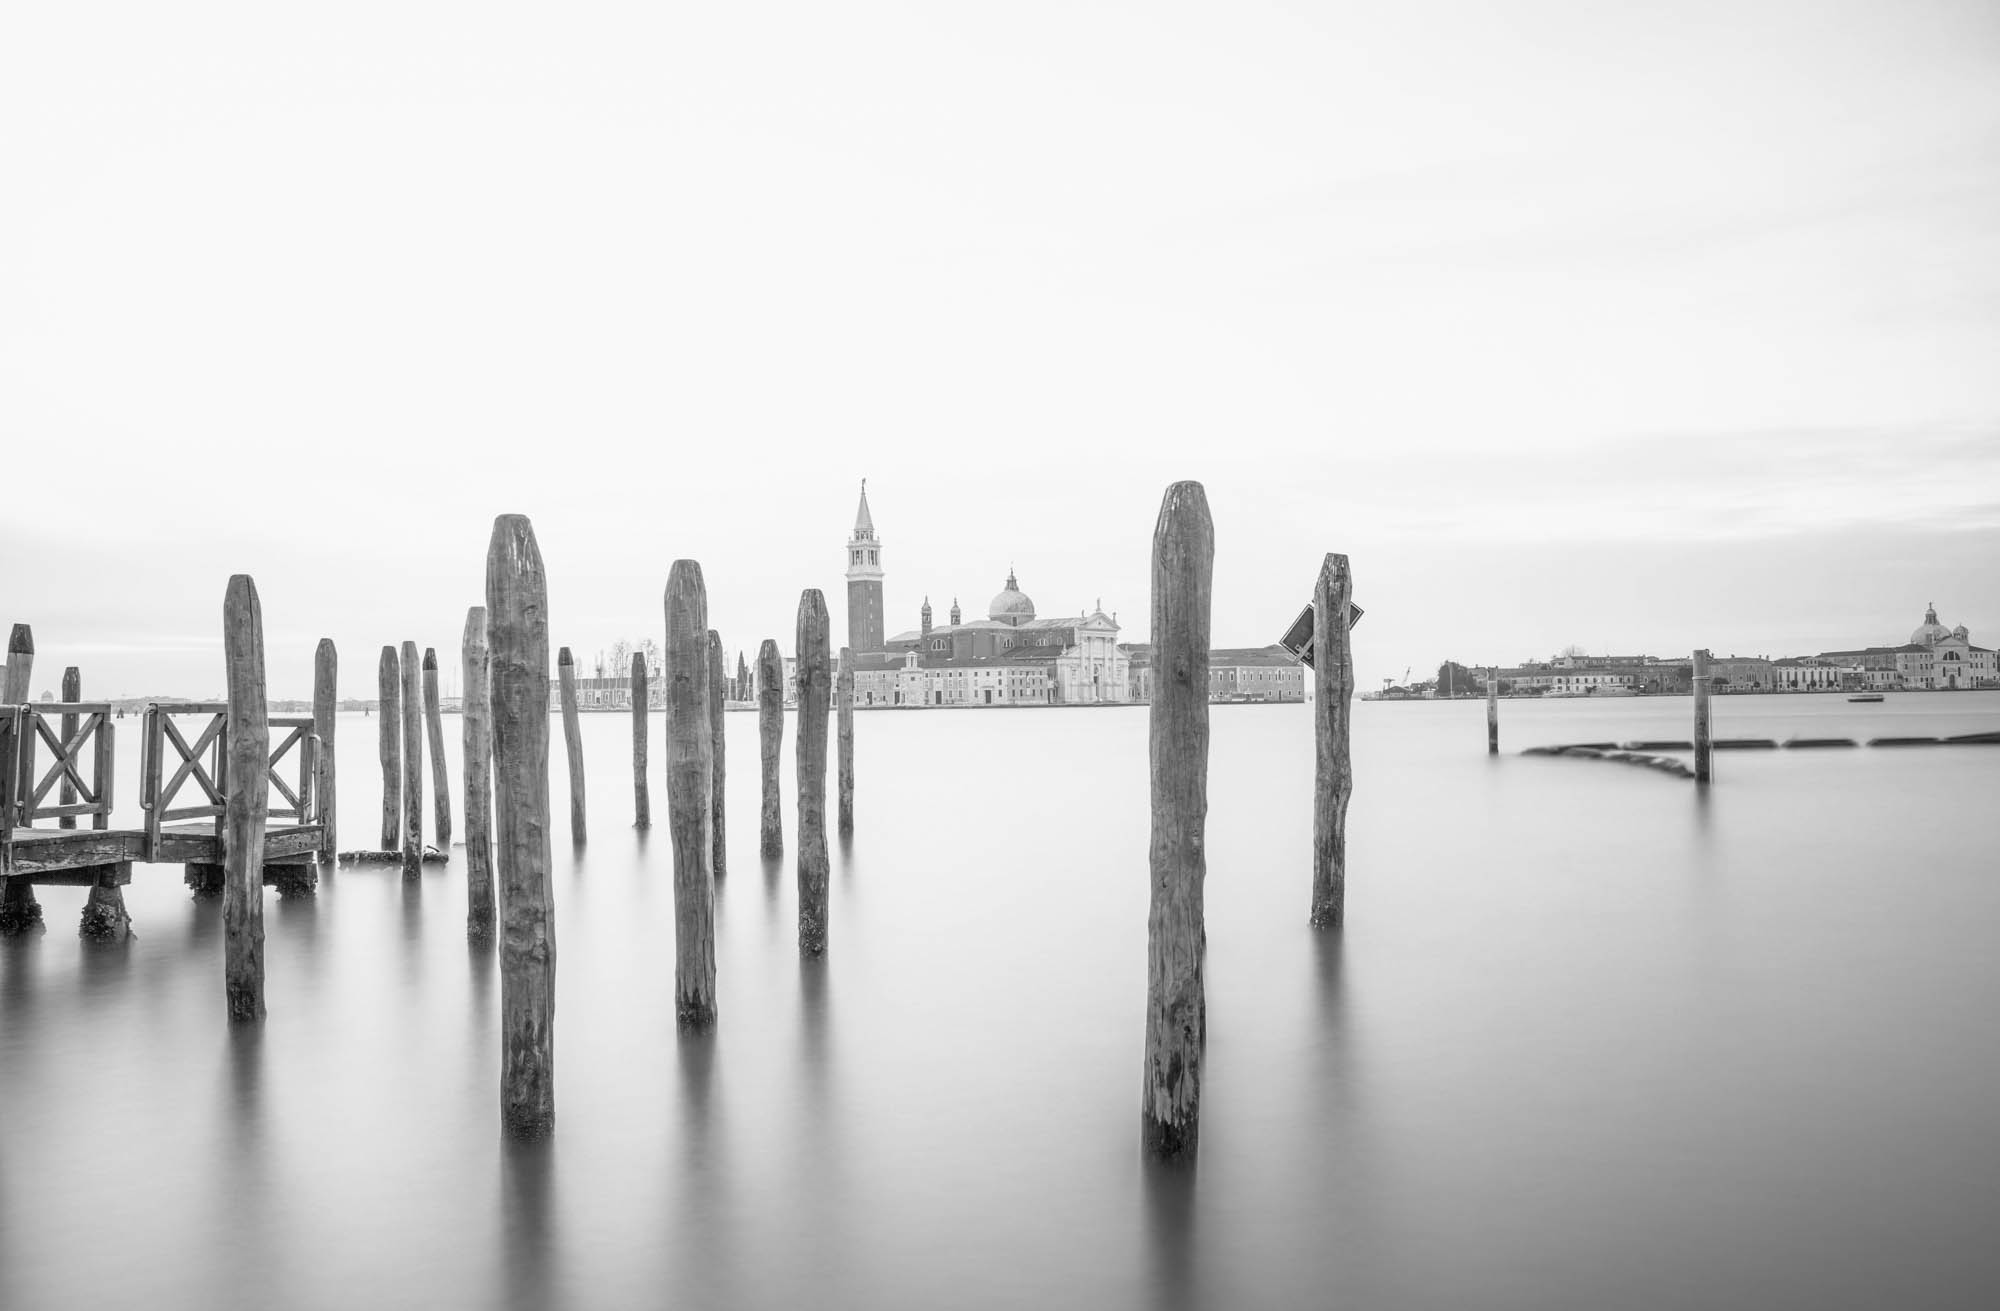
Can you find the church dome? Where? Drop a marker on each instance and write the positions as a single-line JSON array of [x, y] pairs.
[[1930, 631], [1011, 606]]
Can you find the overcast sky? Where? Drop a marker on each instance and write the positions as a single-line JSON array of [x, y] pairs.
[[1569, 323]]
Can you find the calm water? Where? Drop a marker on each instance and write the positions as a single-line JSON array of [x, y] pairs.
[[1587, 1040]]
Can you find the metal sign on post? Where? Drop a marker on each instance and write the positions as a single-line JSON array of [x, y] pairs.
[[1298, 639]]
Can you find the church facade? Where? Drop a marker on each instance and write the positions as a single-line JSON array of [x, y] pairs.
[[1935, 659], [1012, 657]]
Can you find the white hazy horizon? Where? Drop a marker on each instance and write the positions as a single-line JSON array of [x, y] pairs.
[[1570, 324]]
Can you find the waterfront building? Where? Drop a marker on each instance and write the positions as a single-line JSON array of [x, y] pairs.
[[1935, 659], [1262, 673], [1815, 674]]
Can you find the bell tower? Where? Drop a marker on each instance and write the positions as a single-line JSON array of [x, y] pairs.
[[864, 581]]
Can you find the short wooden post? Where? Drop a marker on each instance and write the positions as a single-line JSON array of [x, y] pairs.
[[326, 706], [690, 806], [476, 707], [771, 737], [718, 693], [844, 745], [413, 763], [518, 635], [1493, 712], [72, 691], [1703, 747], [572, 744], [389, 727], [1176, 1005], [434, 734], [815, 693], [19, 910], [246, 799], [642, 798], [1333, 779]]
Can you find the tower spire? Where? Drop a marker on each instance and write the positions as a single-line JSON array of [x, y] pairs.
[[864, 522]]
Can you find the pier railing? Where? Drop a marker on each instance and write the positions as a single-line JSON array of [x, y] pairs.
[[84, 750], [204, 764]]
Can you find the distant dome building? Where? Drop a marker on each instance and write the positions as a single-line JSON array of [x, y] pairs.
[[1011, 605], [1931, 632]]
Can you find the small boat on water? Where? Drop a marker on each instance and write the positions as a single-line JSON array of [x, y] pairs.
[[1867, 696]]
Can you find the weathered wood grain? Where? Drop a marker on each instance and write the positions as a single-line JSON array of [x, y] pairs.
[[247, 796], [1176, 937], [690, 804], [476, 707], [434, 734], [20, 664], [642, 795], [1704, 749], [389, 727], [1333, 778], [844, 749], [413, 763], [326, 706], [814, 696], [770, 739], [718, 684], [72, 691], [572, 744], [517, 614]]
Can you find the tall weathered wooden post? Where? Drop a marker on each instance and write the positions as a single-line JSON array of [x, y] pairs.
[[815, 693], [572, 743], [434, 732], [413, 763], [246, 800], [18, 908], [770, 737], [1493, 711], [326, 707], [476, 705], [718, 694], [690, 806], [642, 799], [1176, 1005], [389, 713], [844, 742], [1333, 779], [72, 692], [1703, 747], [517, 608]]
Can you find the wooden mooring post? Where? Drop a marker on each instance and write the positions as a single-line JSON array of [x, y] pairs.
[[413, 763], [1704, 749], [434, 734], [815, 692], [1493, 711], [19, 910], [642, 797], [718, 693], [72, 691], [326, 706], [1176, 1005], [690, 805], [1333, 777], [517, 608], [246, 799], [770, 738], [844, 743], [572, 744], [476, 737], [389, 729]]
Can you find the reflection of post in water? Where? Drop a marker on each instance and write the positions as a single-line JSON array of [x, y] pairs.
[[527, 1225], [813, 1057], [704, 1225], [1170, 1233], [413, 931]]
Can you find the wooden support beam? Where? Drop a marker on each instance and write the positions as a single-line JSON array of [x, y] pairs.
[[770, 739], [389, 716], [476, 706], [718, 693], [815, 694], [572, 745], [72, 691], [642, 798], [326, 709], [1493, 711], [517, 617], [20, 664], [19, 911], [844, 747], [104, 916], [413, 762], [1704, 751], [1333, 778], [434, 733], [247, 793], [1176, 937], [690, 798]]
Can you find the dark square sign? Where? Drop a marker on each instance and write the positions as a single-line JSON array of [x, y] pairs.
[[1298, 639]]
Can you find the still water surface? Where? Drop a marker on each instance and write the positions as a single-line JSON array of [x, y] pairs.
[[1587, 1040]]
